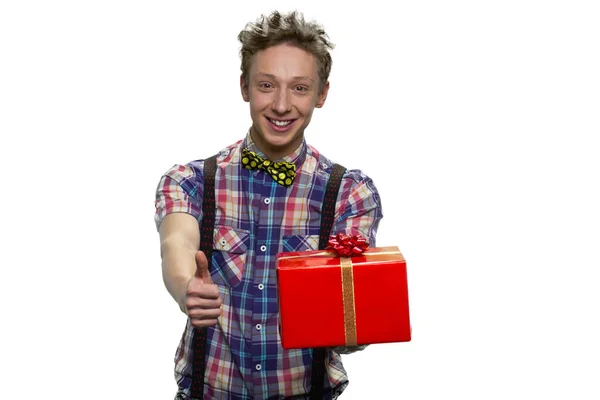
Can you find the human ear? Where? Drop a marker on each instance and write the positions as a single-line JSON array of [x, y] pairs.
[[244, 89], [322, 96]]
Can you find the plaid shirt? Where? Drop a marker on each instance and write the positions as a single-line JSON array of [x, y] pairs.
[[255, 219]]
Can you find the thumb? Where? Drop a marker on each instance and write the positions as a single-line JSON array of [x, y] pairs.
[[202, 268]]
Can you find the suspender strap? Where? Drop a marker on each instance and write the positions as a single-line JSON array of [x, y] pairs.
[[328, 207], [208, 208], [206, 245], [327, 214]]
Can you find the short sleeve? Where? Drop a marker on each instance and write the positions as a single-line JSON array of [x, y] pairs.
[[179, 190], [358, 207]]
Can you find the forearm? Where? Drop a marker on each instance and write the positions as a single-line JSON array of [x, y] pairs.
[[178, 266]]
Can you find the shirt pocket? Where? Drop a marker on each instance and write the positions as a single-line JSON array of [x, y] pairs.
[[300, 243], [230, 248]]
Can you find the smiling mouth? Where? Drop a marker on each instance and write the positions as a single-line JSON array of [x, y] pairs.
[[280, 123]]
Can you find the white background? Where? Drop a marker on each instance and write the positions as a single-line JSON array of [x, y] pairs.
[[476, 120]]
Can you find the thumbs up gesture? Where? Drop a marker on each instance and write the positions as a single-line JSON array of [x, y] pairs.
[[203, 302]]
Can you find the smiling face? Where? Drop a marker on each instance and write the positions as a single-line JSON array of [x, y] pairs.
[[283, 90]]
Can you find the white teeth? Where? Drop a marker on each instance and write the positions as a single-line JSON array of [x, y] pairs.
[[280, 123]]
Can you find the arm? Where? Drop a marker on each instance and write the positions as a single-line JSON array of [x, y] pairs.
[[179, 242], [185, 268]]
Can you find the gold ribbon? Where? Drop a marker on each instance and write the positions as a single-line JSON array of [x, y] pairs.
[[348, 298], [347, 276]]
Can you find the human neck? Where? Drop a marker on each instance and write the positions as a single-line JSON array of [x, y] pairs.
[[274, 153]]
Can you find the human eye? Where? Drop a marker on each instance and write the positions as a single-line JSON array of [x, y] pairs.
[[301, 88], [265, 85]]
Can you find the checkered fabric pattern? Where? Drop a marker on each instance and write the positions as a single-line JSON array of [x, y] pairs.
[[255, 219]]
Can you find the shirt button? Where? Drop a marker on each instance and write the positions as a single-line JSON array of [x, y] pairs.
[[323, 165], [223, 242], [258, 367], [261, 286], [258, 327], [263, 248], [267, 200]]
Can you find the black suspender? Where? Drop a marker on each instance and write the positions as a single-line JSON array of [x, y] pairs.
[[328, 206], [199, 336], [206, 245], [208, 208]]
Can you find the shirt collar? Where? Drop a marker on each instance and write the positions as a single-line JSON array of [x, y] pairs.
[[297, 157]]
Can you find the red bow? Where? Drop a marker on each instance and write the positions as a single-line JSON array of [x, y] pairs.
[[346, 245]]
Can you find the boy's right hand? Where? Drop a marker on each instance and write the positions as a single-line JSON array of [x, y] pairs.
[[202, 299]]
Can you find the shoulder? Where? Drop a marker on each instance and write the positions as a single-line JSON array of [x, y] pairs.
[[191, 175], [324, 166]]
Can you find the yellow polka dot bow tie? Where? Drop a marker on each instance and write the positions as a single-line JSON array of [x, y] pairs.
[[282, 172]]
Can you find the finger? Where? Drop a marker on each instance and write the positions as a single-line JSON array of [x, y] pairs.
[[200, 290], [202, 314], [203, 323], [197, 302], [202, 268]]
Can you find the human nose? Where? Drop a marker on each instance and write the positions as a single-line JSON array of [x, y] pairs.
[[282, 103]]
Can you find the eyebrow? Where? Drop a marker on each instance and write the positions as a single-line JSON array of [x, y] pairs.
[[296, 78]]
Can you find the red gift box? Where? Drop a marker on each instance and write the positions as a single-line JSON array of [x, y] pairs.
[[326, 300]]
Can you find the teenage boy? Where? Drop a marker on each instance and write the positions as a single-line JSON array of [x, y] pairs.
[[268, 192]]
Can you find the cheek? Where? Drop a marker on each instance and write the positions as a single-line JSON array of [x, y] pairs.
[[306, 109], [307, 105], [259, 100]]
